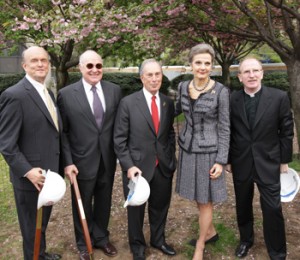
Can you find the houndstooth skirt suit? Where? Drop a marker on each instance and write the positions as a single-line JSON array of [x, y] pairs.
[[203, 141]]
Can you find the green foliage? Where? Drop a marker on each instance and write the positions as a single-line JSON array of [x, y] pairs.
[[8, 212], [295, 164], [7, 80], [275, 79], [129, 82]]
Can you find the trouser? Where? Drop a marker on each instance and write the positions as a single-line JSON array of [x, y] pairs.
[[273, 222]]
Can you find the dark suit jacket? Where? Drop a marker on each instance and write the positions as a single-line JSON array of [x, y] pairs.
[[136, 143], [269, 144], [28, 137], [83, 143]]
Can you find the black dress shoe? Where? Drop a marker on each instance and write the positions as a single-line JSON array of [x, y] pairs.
[[139, 255], [242, 250], [84, 255], [49, 256], [108, 249], [213, 239], [166, 249]]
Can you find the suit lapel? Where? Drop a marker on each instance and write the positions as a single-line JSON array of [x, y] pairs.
[[107, 97], [264, 102], [81, 97], [240, 107], [35, 96], [142, 104], [163, 113]]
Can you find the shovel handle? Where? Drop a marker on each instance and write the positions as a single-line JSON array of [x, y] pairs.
[[81, 213], [38, 232]]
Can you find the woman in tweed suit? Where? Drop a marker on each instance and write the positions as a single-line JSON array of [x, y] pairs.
[[203, 141]]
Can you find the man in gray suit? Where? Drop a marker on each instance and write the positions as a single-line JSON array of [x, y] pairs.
[[260, 149], [30, 143], [145, 144], [88, 109]]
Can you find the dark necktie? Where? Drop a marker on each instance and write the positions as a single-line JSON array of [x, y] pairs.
[[97, 107], [154, 112]]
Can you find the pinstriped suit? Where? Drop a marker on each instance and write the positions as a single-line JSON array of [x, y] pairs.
[[91, 150], [28, 138]]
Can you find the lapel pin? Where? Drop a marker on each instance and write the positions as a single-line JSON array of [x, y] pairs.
[[164, 104]]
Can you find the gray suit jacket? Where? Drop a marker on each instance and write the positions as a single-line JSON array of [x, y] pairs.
[[28, 137], [207, 124], [83, 143], [269, 143], [135, 140]]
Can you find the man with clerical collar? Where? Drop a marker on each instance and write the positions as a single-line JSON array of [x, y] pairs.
[[260, 150]]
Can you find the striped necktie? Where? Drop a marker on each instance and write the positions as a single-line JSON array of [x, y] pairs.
[[51, 107]]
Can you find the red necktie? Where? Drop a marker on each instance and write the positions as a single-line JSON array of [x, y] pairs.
[[155, 118], [154, 112]]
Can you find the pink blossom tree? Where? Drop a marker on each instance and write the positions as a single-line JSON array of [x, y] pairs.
[[67, 27], [178, 25]]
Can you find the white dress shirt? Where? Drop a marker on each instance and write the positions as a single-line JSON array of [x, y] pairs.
[[90, 96], [148, 97]]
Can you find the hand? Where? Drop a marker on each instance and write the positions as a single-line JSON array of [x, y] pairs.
[[284, 168], [216, 171], [131, 172], [228, 168], [71, 171], [36, 177]]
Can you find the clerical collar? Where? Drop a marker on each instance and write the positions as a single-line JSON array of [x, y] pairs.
[[252, 94]]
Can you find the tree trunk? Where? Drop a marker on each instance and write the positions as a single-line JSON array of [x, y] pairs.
[[293, 70], [62, 78], [226, 74]]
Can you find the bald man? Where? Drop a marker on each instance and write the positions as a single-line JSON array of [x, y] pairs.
[[30, 142], [88, 108]]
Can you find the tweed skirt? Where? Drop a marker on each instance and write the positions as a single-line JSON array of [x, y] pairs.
[[193, 181]]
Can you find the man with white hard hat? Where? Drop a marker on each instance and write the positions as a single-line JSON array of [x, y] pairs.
[[261, 146], [144, 141], [30, 131]]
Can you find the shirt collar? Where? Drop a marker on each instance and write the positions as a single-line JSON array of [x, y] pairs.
[[148, 95], [252, 94], [88, 86], [35, 83]]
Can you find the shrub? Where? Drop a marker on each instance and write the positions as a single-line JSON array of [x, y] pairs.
[[129, 82], [7, 80], [275, 79]]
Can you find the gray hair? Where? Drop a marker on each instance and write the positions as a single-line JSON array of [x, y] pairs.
[[145, 62], [84, 56], [201, 48]]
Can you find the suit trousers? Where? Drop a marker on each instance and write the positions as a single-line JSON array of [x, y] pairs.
[[273, 222], [158, 206], [26, 203], [96, 196]]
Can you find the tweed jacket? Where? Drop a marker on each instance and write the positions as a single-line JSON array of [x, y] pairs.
[[207, 123]]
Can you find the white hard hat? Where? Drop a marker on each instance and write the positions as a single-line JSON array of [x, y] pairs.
[[53, 190], [290, 183], [139, 191]]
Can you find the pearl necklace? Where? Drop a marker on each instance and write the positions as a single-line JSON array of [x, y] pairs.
[[201, 89]]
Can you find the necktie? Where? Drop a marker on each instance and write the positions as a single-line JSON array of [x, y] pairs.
[[155, 118], [154, 112], [97, 107], [51, 107]]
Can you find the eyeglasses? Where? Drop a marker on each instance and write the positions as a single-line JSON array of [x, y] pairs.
[[248, 72], [91, 65]]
